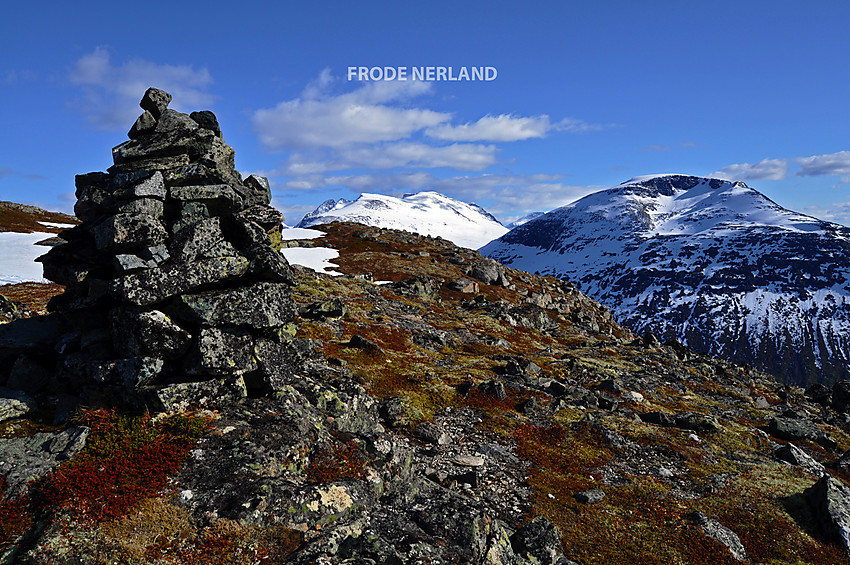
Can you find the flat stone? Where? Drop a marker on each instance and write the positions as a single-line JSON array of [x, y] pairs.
[[206, 394], [155, 285], [123, 231], [14, 404], [147, 258], [142, 206], [590, 496], [204, 193], [155, 101], [260, 305], [25, 459], [469, 460], [152, 187]]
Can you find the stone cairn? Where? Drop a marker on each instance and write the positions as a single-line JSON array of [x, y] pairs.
[[174, 279]]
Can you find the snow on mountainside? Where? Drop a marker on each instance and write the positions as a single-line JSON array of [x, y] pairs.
[[714, 264], [524, 220], [425, 213]]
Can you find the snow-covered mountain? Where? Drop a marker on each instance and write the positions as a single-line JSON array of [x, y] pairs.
[[714, 264], [425, 213], [524, 220]]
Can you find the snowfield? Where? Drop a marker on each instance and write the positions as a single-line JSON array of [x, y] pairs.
[[17, 255]]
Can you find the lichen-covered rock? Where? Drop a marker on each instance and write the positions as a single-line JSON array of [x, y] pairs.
[[142, 333], [714, 529], [14, 404], [125, 231], [25, 459], [259, 305], [155, 101]]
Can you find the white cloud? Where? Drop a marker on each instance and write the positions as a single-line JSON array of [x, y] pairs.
[[767, 169], [830, 164], [504, 127], [410, 154], [112, 92], [507, 127], [362, 116]]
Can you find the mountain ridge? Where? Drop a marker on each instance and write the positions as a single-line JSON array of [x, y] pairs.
[[712, 263]]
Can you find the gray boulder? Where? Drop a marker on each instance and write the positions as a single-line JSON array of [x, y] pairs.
[[714, 529], [23, 460], [830, 502]]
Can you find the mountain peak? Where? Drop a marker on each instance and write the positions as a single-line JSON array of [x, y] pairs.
[[425, 213], [712, 263]]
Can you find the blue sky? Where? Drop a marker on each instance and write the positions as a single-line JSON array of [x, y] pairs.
[[588, 95]]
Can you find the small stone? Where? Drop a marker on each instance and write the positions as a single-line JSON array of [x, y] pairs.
[[359, 342], [325, 309], [206, 120], [257, 190], [714, 529], [792, 454], [432, 433], [14, 404], [590, 496], [633, 396], [155, 101], [495, 389], [465, 286], [144, 124], [469, 460]]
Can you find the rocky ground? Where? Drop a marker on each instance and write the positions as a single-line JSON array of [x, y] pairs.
[[446, 409]]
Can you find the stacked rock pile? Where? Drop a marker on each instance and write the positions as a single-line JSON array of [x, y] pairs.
[[174, 275]]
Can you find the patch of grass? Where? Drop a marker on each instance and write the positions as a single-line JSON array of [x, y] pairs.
[[33, 294], [125, 460]]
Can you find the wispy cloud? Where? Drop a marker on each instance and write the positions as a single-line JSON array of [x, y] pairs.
[[767, 169], [111, 93], [364, 116], [830, 164], [504, 127], [663, 148], [405, 154], [7, 172]]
